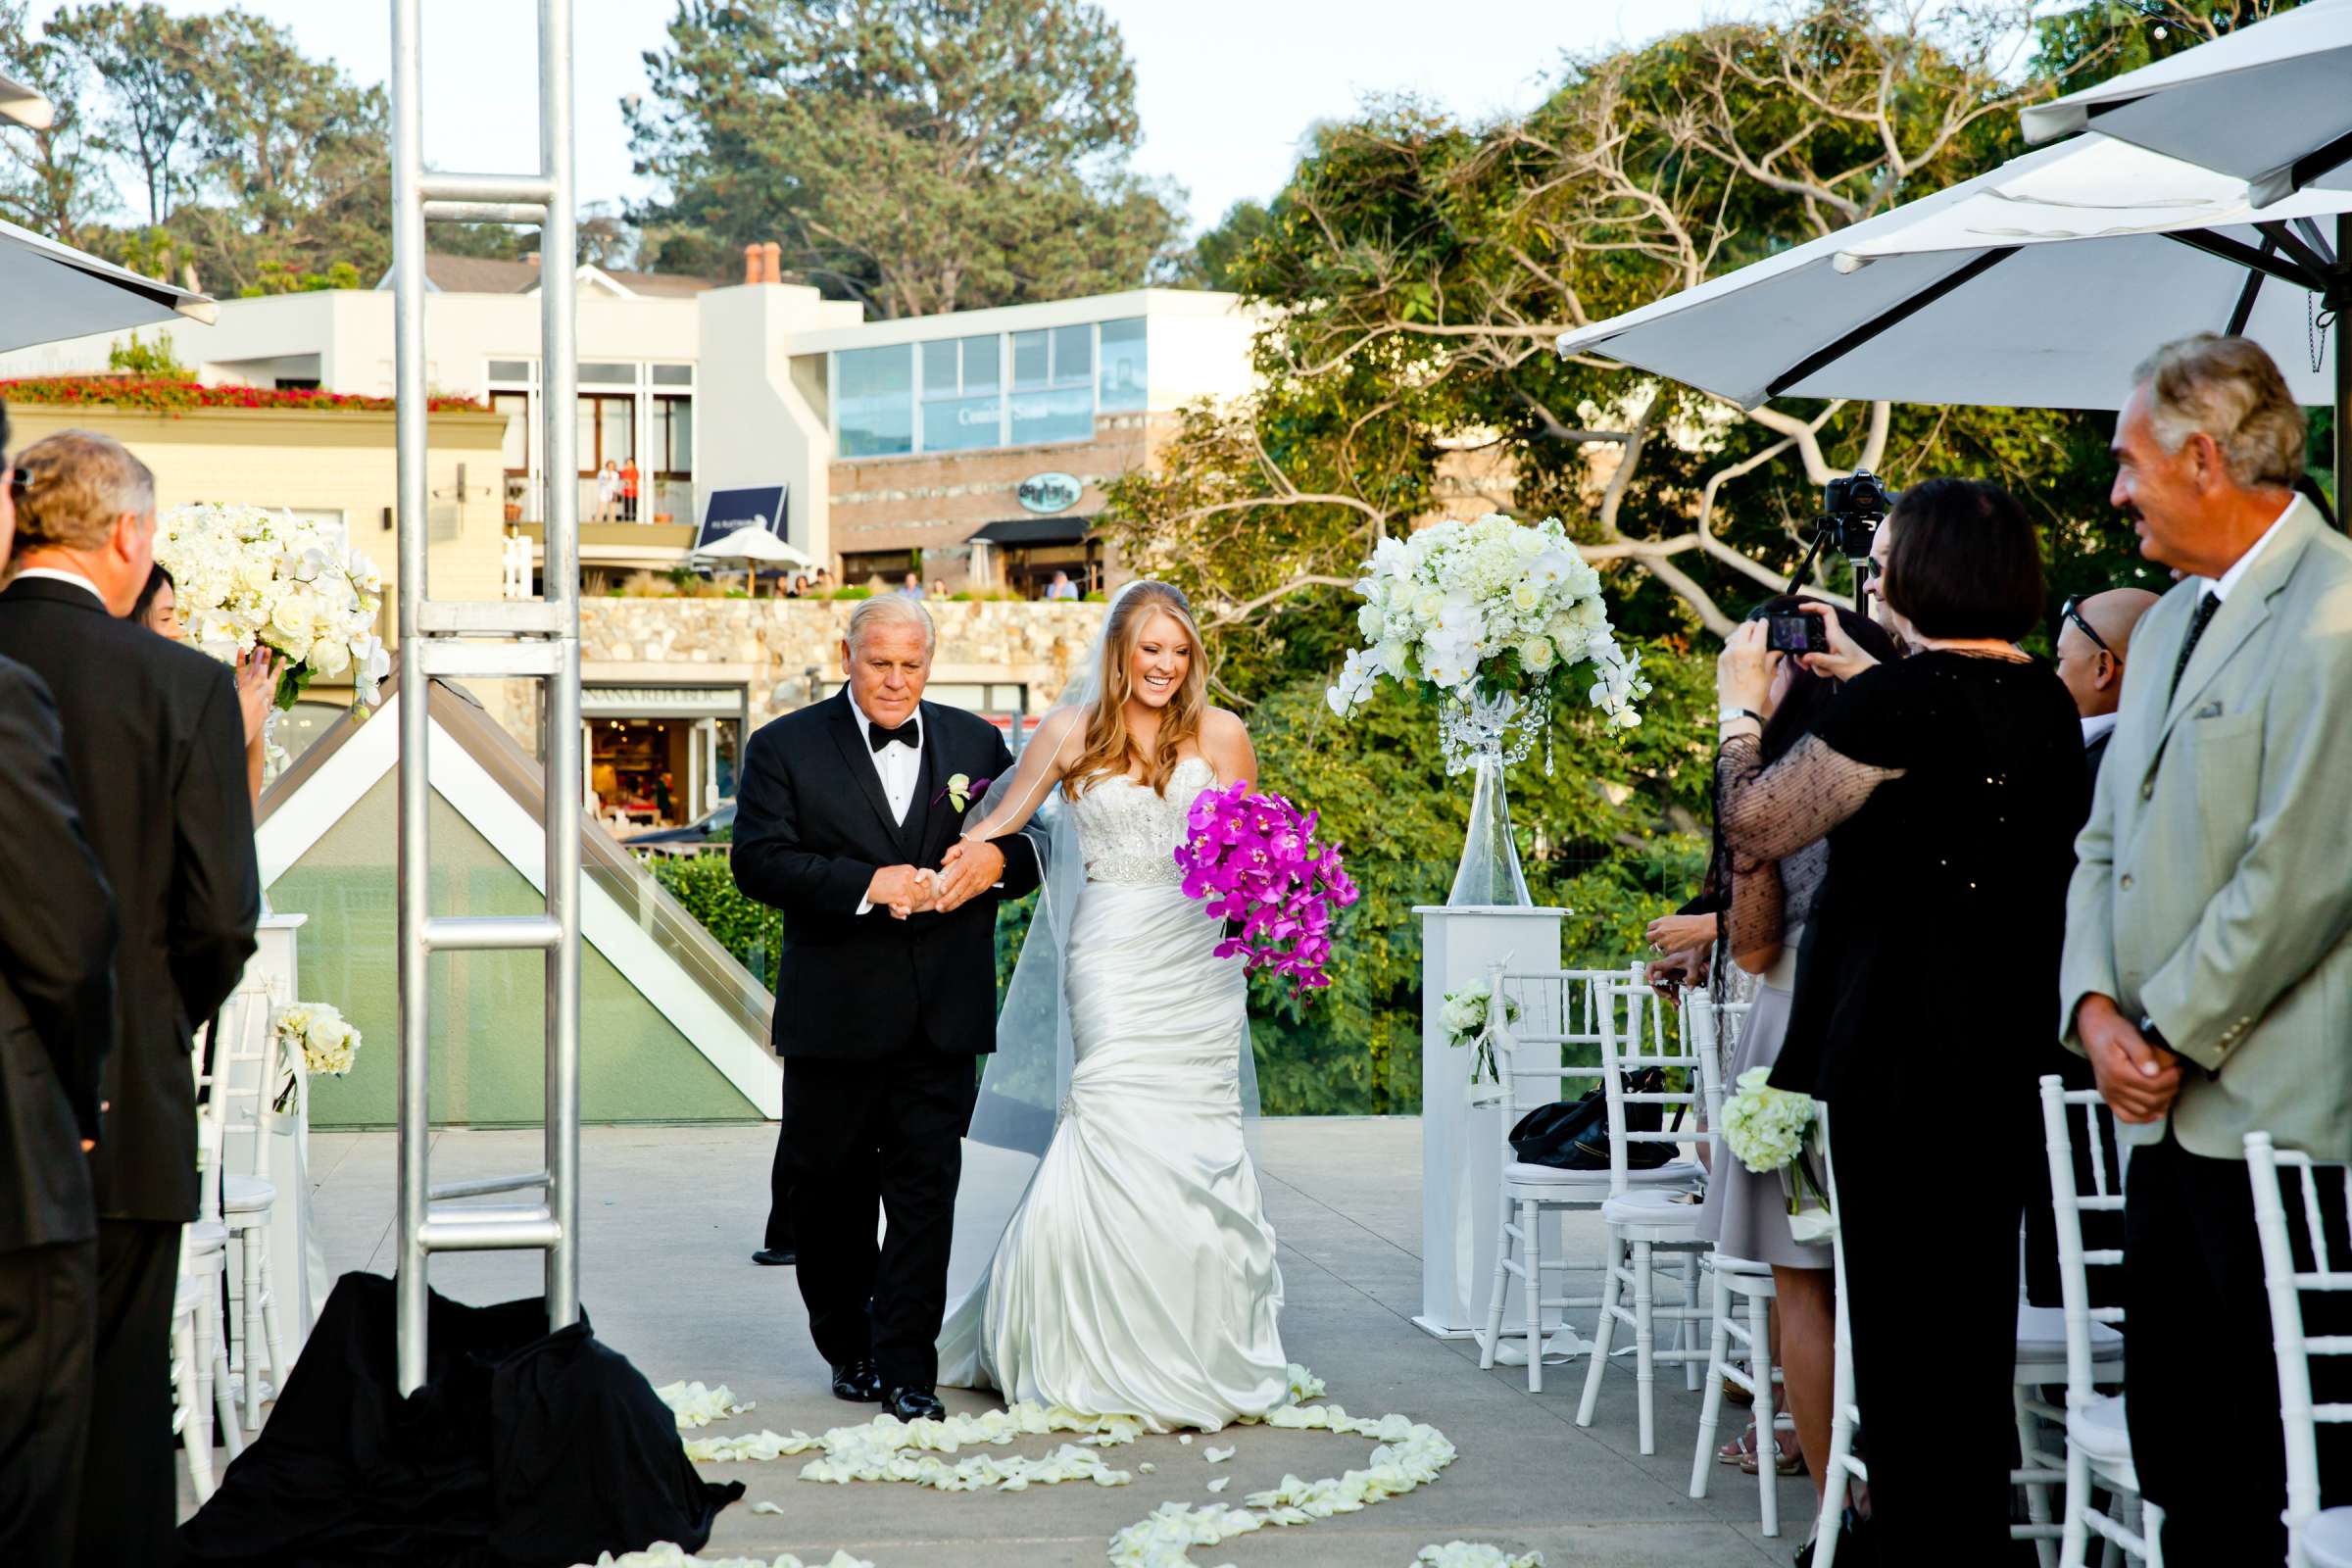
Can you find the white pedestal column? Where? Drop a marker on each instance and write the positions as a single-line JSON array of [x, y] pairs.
[[1461, 1144]]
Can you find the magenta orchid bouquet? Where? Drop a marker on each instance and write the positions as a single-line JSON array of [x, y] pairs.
[[1255, 858]]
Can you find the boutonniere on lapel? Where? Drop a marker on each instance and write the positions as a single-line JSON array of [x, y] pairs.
[[959, 790]]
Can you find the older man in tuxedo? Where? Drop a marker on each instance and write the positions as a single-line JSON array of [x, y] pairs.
[[887, 990], [56, 1023], [2208, 969], [155, 750]]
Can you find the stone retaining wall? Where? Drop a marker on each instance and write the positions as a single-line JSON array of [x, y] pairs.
[[769, 645]]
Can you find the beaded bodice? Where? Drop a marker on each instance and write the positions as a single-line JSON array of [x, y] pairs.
[[1128, 832]]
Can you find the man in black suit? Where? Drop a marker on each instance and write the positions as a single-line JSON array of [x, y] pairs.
[[887, 989], [2095, 639], [155, 749], [57, 1025]]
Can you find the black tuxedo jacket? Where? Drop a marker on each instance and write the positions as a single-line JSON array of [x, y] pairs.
[[812, 828], [56, 978], [155, 749]]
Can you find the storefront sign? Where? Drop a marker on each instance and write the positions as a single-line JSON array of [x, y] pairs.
[[1048, 493]]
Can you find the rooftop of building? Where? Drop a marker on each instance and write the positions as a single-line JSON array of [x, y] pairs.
[[489, 275]]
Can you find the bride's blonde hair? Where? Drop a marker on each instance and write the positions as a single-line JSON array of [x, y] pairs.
[[1111, 750]]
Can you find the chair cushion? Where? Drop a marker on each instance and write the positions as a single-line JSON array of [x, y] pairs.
[[2327, 1540], [1653, 1209], [184, 1296], [2098, 1429], [207, 1235], [1747, 1268], [2042, 1336], [243, 1195], [1685, 1174]]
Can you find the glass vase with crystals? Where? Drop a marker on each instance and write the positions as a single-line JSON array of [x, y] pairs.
[[1495, 618]]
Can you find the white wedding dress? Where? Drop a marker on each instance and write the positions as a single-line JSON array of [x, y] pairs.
[[1137, 1275]]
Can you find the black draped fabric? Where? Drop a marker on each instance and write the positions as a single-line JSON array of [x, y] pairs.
[[523, 1448]]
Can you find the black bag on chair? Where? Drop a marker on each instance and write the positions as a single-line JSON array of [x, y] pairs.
[[1574, 1134]]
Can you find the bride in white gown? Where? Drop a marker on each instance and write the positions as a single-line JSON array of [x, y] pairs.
[[1137, 1274]]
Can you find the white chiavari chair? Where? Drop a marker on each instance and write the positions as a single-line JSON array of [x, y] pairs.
[[1647, 1223], [1562, 1012], [1741, 1291], [2097, 1443], [2315, 1536], [247, 1074]]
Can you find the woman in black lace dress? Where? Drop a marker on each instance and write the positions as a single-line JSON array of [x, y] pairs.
[[1949, 785]]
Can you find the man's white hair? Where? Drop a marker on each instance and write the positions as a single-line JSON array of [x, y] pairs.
[[885, 610], [2230, 389]]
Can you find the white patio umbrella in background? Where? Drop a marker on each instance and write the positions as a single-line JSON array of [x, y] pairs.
[[2041, 284], [25, 106], [50, 291], [2271, 104], [753, 544]]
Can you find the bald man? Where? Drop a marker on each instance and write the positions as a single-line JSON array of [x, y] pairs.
[[2095, 639]]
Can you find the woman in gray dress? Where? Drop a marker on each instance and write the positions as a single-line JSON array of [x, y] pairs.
[[1746, 1215]]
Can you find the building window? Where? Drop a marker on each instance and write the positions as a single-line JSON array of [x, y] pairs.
[[593, 374], [1053, 385], [673, 437], [673, 375], [1122, 385], [886, 567], [524, 371], [521, 449], [963, 404], [874, 391]]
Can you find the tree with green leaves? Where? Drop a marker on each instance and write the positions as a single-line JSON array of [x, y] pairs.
[[51, 181], [919, 156], [1416, 272], [154, 65]]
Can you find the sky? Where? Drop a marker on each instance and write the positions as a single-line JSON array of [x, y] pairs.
[[1226, 88]]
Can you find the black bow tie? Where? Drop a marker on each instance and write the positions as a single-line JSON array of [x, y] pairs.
[[908, 734]]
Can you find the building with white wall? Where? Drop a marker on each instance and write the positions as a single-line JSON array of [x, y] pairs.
[[875, 447]]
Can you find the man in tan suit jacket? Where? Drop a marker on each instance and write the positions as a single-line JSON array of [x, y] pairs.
[[2208, 969]]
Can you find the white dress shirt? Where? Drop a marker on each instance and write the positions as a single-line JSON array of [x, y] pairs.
[[900, 767], [2219, 586], [57, 574], [2096, 725]]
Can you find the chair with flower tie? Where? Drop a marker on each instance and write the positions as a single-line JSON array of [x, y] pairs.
[[247, 1071], [1562, 1012], [2316, 1538], [1648, 1222]]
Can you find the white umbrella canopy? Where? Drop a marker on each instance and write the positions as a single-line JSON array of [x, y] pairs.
[[25, 106], [50, 291], [2270, 104], [752, 542], [2041, 284]]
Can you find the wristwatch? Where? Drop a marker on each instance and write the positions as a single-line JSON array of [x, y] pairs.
[[1726, 715]]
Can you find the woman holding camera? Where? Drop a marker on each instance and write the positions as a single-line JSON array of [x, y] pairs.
[[1746, 1215], [1949, 786]]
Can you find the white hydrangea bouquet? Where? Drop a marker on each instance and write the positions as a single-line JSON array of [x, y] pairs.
[[1772, 1130], [1464, 1019], [1491, 615], [247, 577], [317, 1038]]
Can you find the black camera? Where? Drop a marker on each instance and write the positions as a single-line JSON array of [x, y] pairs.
[[1797, 634], [1851, 510]]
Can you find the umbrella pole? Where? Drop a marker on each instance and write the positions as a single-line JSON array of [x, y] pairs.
[[2340, 303]]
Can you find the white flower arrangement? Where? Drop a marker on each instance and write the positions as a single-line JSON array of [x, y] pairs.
[[1773, 1130], [1764, 1126], [319, 1037], [247, 577], [1465, 1020], [1488, 608]]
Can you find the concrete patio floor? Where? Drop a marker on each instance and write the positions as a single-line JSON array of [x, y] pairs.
[[671, 1214]]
